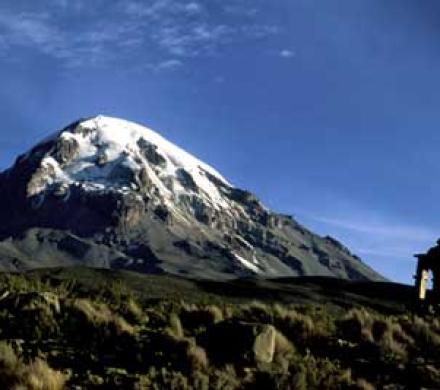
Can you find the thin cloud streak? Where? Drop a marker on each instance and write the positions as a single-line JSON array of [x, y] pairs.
[[168, 65], [380, 228], [374, 237]]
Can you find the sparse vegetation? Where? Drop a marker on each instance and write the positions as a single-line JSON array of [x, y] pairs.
[[36, 375], [56, 333]]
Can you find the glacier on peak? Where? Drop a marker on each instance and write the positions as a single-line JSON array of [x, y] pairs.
[[107, 149]]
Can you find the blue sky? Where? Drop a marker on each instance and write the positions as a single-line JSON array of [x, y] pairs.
[[326, 110]]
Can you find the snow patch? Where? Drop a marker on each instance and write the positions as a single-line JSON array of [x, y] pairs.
[[247, 263]]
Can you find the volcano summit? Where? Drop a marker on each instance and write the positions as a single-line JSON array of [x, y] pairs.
[[108, 193]]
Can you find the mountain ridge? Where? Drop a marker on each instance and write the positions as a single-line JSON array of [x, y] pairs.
[[110, 193]]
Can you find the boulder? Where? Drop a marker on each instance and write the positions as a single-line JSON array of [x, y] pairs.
[[245, 342], [264, 344]]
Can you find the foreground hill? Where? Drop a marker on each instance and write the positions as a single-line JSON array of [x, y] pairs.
[[108, 193], [83, 328]]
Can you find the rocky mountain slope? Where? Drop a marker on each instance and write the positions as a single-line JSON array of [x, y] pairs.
[[108, 193]]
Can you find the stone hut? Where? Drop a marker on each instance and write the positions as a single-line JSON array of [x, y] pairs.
[[428, 262]]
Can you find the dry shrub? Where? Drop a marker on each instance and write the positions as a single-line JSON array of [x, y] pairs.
[[37, 375], [435, 324], [215, 312], [133, 312], [361, 326], [257, 312], [163, 379], [116, 292], [193, 316], [299, 328], [228, 312], [357, 326], [183, 354], [314, 373], [391, 338], [400, 335], [100, 316], [197, 356], [9, 361], [175, 328], [157, 318], [424, 333], [391, 348], [426, 376], [225, 379], [36, 314], [200, 380], [362, 384]]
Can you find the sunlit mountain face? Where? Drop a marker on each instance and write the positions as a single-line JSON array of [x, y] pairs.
[[108, 193]]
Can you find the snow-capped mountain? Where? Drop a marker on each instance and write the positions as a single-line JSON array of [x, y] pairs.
[[110, 193]]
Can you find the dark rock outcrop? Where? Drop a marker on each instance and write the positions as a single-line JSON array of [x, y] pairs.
[[150, 152], [65, 150]]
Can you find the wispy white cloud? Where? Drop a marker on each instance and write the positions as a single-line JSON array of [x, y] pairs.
[[377, 236], [287, 53], [243, 9], [161, 9], [35, 30], [193, 8], [31, 30], [194, 41], [139, 9], [380, 228], [75, 5], [104, 32], [168, 65], [259, 31]]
